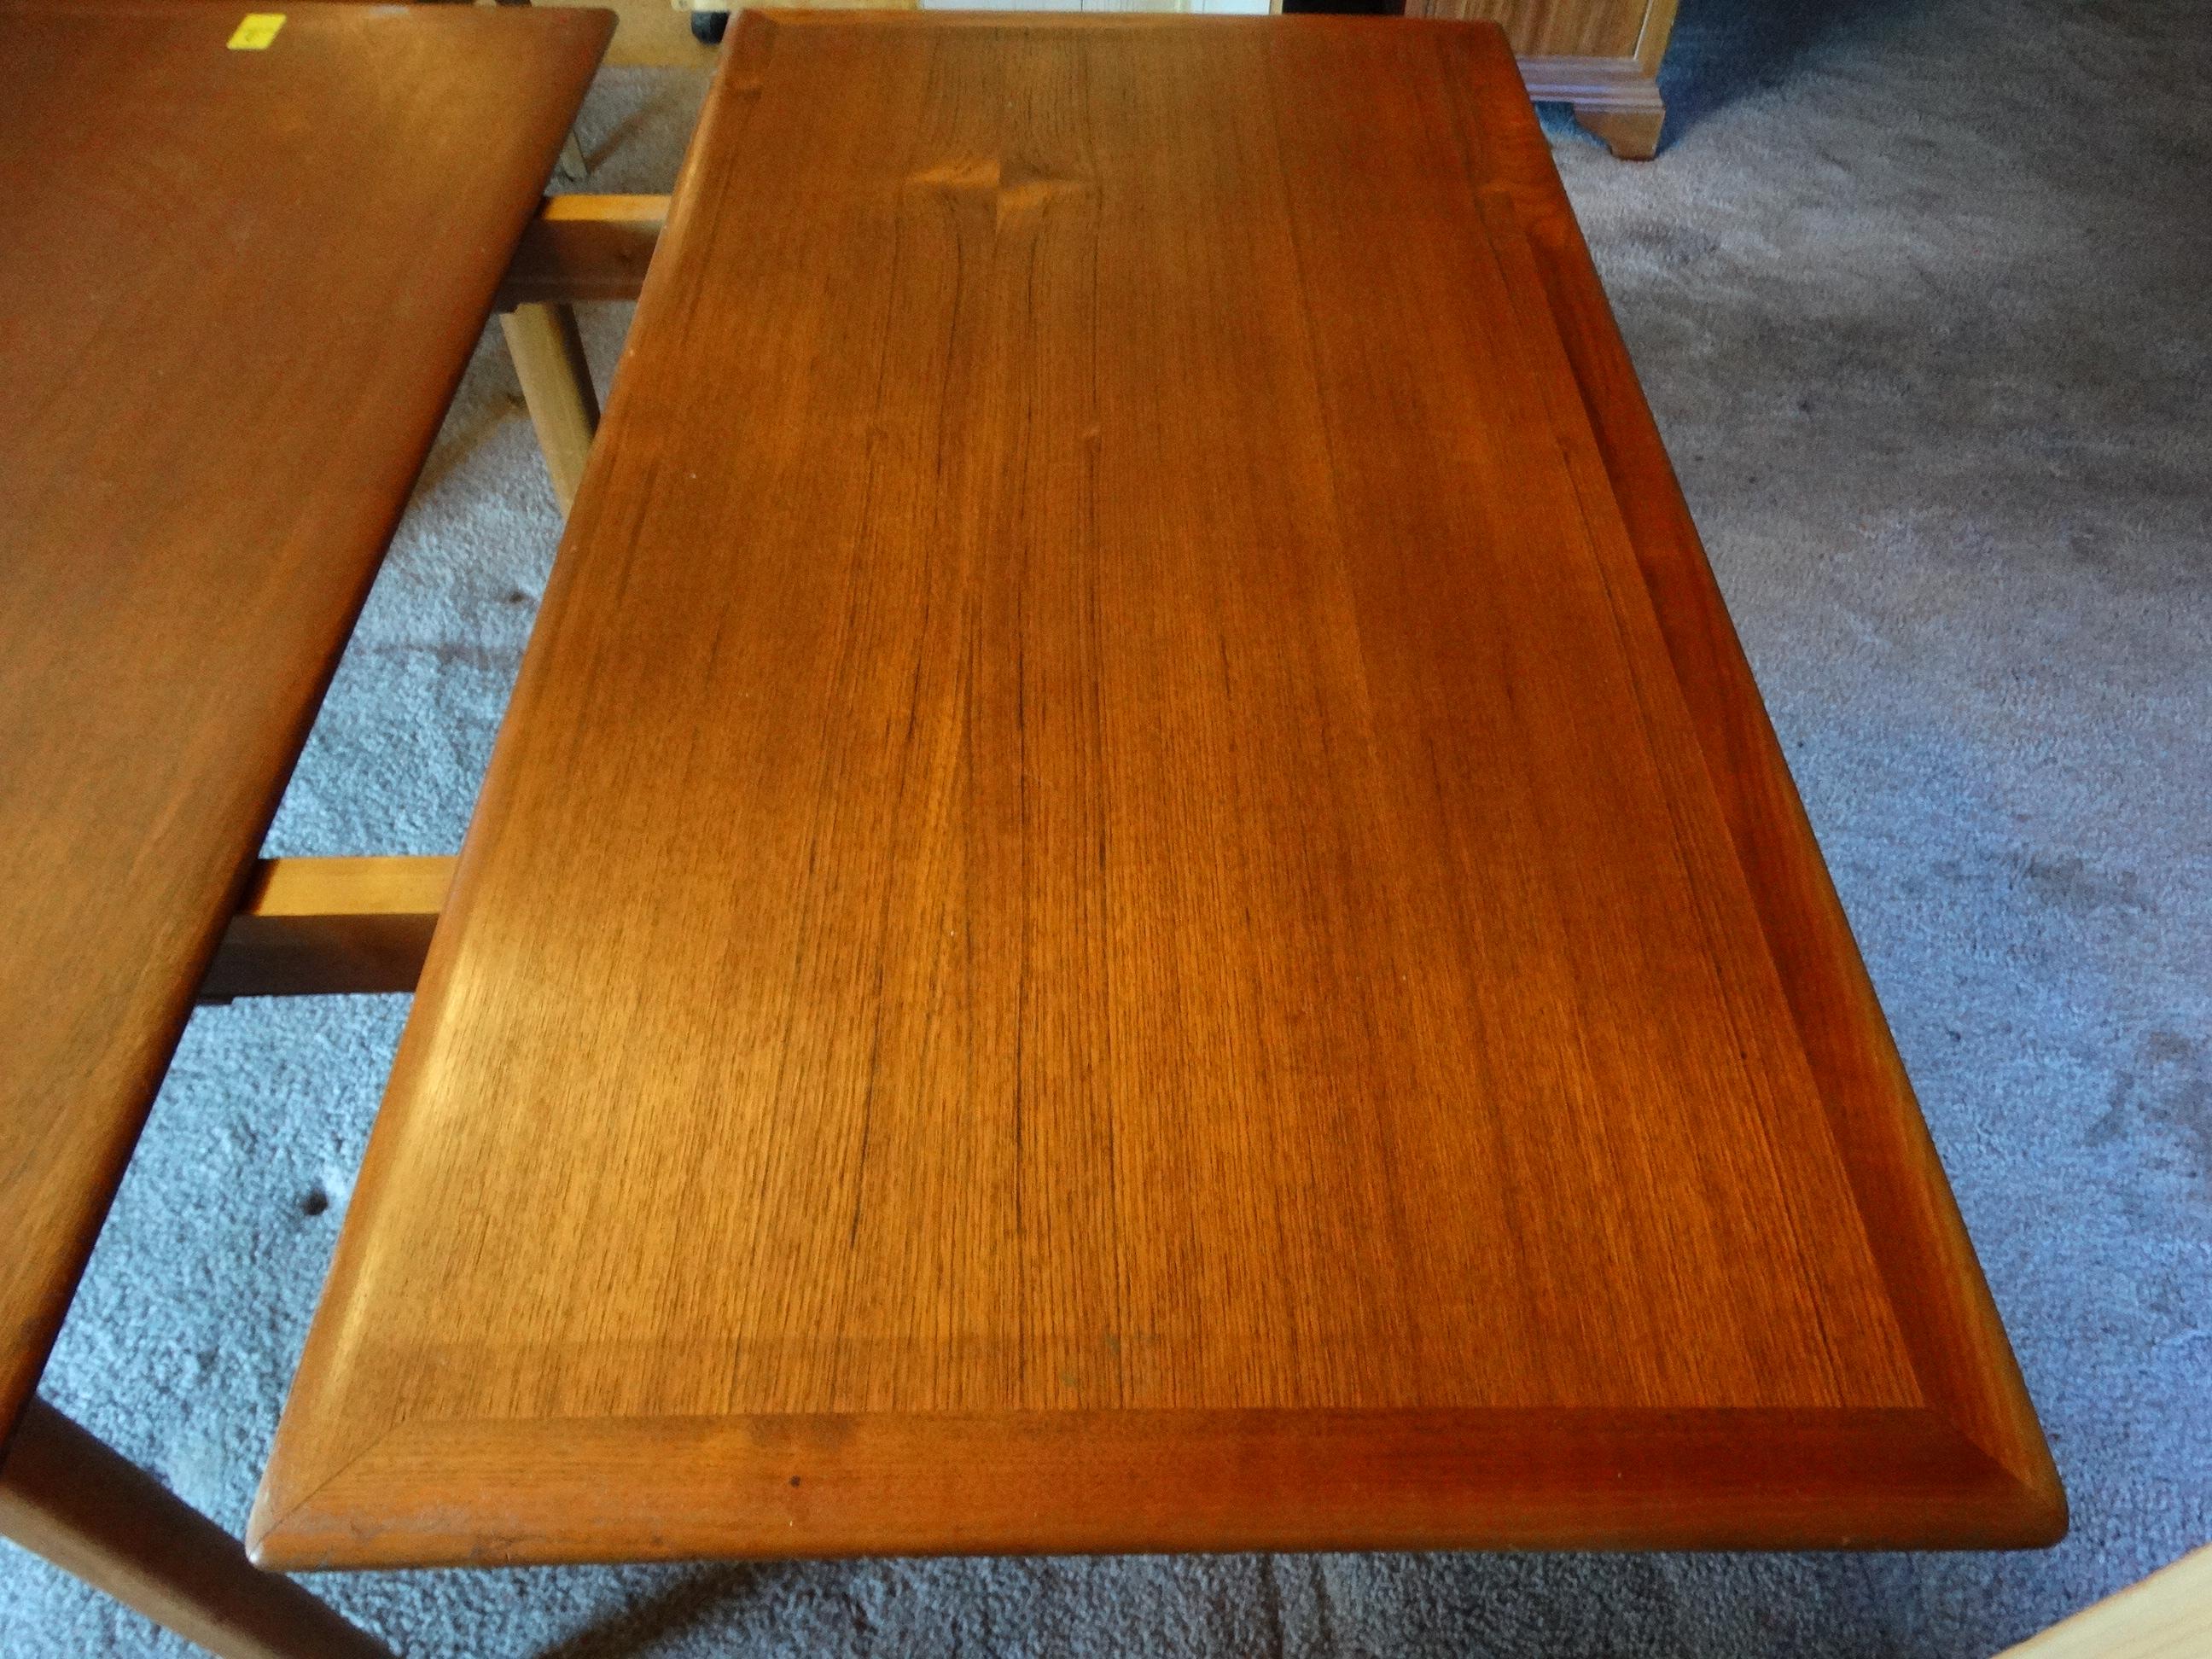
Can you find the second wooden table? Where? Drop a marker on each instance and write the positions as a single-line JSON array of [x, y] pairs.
[[1155, 911]]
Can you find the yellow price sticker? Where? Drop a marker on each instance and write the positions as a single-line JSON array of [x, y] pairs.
[[256, 30]]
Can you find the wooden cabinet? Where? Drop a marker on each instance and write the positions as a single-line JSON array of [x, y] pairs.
[[1601, 56]]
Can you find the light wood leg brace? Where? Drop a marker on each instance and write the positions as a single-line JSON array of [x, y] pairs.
[[556, 384], [578, 247], [315, 926], [65, 1496]]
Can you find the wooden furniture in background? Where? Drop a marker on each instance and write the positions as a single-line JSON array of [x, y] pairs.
[[651, 33], [1154, 911], [2167, 1616], [1600, 56], [222, 374]]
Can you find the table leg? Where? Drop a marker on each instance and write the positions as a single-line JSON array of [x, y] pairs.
[[65, 1496], [556, 384]]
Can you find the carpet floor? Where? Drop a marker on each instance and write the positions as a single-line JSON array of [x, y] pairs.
[[1918, 290]]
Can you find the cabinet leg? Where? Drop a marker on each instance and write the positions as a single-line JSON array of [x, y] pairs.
[[65, 1496], [1629, 133], [556, 384]]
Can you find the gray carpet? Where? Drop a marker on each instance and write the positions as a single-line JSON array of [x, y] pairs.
[[1918, 290]]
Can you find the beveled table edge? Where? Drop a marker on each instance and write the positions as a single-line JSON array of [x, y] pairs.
[[1963, 1360], [1101, 1482], [1970, 1470]]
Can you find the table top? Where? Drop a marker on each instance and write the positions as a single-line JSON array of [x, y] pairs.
[[1155, 911], [240, 286]]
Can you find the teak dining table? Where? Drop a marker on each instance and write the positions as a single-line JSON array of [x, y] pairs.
[[1152, 908], [247, 258]]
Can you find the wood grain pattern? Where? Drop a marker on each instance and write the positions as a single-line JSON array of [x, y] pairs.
[[1158, 911], [240, 288]]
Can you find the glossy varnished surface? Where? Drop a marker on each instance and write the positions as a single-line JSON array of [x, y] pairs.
[[237, 291], [1154, 910]]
